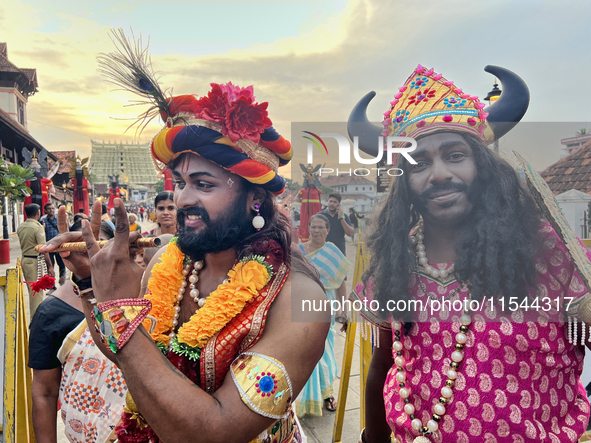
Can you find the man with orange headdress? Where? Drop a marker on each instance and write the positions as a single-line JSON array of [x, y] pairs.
[[223, 362]]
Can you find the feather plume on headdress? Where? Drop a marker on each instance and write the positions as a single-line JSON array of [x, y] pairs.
[[130, 68]]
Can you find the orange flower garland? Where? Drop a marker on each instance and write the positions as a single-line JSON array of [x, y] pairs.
[[162, 289], [246, 279], [225, 303]]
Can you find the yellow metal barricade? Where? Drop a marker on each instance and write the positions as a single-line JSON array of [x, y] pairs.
[[18, 422], [365, 348]]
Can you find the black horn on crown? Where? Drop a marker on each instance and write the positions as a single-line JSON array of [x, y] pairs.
[[359, 126], [511, 106]]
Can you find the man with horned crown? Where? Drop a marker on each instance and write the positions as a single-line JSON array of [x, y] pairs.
[[483, 281], [210, 352]]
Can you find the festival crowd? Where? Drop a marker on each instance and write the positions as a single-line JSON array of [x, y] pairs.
[[195, 340]]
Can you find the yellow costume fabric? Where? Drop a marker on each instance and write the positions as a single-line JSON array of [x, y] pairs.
[[263, 384]]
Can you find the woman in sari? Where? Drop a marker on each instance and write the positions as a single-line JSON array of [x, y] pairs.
[[70, 374], [333, 267], [133, 224]]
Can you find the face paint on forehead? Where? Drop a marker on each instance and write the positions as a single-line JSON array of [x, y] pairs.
[[186, 163], [230, 182]]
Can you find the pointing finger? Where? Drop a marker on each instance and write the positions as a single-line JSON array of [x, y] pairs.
[[95, 218], [92, 246], [121, 241], [62, 220]]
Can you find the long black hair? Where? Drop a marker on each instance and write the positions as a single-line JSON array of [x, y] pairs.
[[163, 196], [278, 228], [495, 252]]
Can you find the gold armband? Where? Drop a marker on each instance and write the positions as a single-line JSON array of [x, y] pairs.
[[263, 384]]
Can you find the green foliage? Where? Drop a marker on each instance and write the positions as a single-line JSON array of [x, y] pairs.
[[12, 181], [159, 186], [92, 178], [326, 190], [291, 185], [583, 131]]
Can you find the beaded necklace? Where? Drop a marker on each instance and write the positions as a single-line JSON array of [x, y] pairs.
[[439, 409]]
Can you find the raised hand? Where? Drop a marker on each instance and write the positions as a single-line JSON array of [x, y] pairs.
[[77, 262], [114, 273]]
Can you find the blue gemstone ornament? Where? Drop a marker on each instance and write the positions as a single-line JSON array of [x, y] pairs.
[[266, 384]]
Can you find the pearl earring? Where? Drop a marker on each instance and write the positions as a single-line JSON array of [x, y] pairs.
[[258, 221]]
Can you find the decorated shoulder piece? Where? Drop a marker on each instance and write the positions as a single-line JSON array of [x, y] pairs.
[[263, 384], [547, 203]]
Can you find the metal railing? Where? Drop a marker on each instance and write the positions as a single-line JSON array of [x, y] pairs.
[[17, 418]]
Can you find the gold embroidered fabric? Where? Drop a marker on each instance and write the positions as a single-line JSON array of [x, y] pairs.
[[263, 384], [285, 430]]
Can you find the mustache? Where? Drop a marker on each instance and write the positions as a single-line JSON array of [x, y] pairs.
[[445, 186], [181, 214]]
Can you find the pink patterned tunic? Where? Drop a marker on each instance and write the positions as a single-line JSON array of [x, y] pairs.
[[519, 379]]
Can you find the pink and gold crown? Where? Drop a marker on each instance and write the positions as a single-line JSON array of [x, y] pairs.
[[428, 102]]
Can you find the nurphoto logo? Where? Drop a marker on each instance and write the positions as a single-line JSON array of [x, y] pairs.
[[402, 147]]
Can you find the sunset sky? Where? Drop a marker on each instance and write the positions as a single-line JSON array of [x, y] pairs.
[[311, 60]]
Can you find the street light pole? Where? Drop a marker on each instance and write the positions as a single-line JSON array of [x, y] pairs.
[[492, 97]]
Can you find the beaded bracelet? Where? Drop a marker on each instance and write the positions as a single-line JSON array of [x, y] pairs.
[[116, 320]]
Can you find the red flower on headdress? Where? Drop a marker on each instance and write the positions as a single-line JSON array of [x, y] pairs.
[[234, 108], [246, 119], [235, 92], [214, 106]]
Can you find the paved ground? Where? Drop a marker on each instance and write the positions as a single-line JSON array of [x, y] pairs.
[[317, 429], [320, 429]]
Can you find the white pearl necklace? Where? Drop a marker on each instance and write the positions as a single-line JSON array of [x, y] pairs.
[[446, 392], [194, 268], [422, 255]]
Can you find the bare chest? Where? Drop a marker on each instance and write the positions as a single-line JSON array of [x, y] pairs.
[[188, 305]]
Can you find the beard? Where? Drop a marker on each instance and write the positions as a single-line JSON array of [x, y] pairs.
[[227, 231]]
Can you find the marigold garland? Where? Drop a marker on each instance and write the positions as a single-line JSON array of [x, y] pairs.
[[246, 279], [162, 289]]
